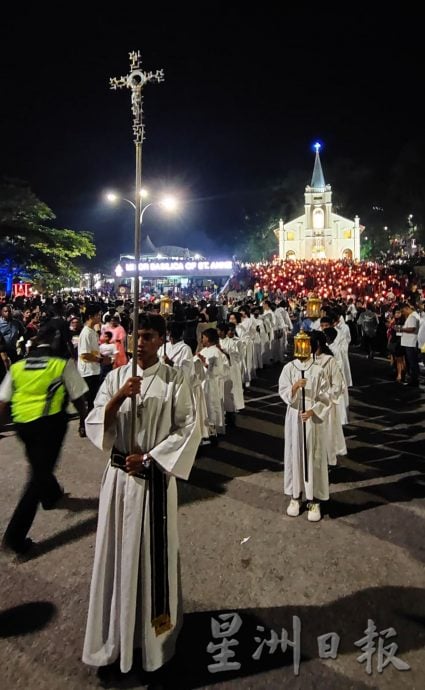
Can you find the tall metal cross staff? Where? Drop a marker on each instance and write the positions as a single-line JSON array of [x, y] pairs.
[[135, 81]]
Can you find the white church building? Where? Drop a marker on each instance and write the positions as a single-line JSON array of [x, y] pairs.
[[319, 233]]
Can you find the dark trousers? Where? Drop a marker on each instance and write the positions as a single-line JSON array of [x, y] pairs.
[[412, 360], [43, 441], [93, 383]]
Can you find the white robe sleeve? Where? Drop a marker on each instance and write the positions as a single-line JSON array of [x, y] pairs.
[[176, 453], [95, 421], [285, 387], [322, 403]]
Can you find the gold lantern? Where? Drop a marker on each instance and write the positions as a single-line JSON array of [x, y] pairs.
[[302, 346], [313, 307], [165, 306]]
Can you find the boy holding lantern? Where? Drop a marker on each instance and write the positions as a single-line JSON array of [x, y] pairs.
[[304, 388]]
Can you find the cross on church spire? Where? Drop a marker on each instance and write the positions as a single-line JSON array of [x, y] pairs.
[[318, 180]]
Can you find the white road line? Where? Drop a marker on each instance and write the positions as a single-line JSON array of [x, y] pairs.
[[264, 397]]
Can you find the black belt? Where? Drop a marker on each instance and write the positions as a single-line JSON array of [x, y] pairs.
[[118, 460]]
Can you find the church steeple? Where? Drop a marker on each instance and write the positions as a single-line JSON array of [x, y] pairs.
[[318, 180]]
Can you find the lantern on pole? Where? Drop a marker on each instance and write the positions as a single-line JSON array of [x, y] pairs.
[[166, 306], [302, 346], [313, 307], [302, 351]]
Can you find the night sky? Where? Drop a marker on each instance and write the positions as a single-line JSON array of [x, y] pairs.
[[244, 98]]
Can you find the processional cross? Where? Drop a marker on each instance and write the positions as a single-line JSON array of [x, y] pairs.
[[135, 81]]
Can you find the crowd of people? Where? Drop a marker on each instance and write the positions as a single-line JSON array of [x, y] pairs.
[[193, 369]]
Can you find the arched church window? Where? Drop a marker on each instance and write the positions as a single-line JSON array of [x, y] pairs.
[[347, 254], [290, 256], [318, 219]]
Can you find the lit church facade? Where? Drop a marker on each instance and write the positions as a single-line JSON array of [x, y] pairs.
[[319, 233]]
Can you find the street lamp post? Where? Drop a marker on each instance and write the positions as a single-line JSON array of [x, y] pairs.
[[135, 81]]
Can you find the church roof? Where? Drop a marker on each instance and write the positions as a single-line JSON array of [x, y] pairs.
[[166, 252], [149, 247], [318, 180]]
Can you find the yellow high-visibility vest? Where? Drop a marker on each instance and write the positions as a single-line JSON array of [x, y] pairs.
[[37, 388]]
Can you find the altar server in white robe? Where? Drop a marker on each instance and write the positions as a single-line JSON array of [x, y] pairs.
[[217, 370], [247, 330], [334, 342], [233, 393], [176, 353], [317, 404], [129, 569], [334, 432], [342, 342]]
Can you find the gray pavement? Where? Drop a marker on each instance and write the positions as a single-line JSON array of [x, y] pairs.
[[241, 555]]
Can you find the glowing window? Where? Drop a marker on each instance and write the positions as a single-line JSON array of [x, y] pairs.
[[290, 235], [347, 234], [318, 219]]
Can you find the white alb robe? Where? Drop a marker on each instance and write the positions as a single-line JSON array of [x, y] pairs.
[[181, 356], [334, 433], [316, 399], [216, 372], [119, 616], [233, 393]]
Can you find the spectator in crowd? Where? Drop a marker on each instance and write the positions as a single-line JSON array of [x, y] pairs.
[[409, 340], [12, 330], [89, 358]]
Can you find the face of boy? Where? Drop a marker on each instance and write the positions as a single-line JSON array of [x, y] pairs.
[[148, 344]]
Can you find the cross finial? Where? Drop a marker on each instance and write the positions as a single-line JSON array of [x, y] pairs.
[[317, 146], [135, 81]]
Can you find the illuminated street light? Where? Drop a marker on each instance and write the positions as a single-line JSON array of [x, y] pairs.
[[114, 197], [168, 202]]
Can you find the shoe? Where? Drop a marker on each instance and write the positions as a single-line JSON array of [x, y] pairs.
[[293, 510], [314, 514], [51, 505], [109, 676], [82, 432], [23, 553]]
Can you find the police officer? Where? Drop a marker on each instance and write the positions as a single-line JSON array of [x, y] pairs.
[[38, 388]]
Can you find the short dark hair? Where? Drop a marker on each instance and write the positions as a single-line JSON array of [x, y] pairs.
[[91, 310], [330, 334], [212, 335], [176, 330], [154, 322]]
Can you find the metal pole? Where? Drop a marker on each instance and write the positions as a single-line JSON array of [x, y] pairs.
[[137, 246], [304, 433], [135, 81]]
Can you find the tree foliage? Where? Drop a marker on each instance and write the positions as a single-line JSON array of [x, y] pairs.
[[30, 249]]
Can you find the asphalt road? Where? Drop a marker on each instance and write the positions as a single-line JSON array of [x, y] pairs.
[[361, 567]]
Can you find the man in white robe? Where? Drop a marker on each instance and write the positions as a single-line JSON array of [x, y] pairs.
[[122, 599], [295, 376]]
